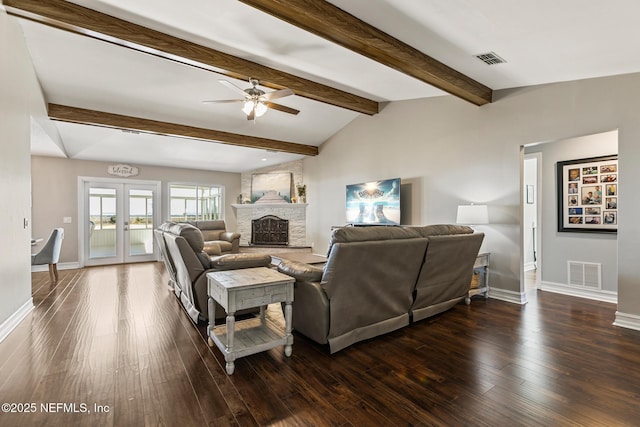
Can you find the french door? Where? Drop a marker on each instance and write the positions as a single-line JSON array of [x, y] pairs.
[[119, 219]]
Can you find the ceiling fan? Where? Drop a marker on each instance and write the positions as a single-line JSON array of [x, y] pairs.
[[256, 101]]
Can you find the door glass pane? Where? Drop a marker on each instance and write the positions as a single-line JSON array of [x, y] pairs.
[[140, 222], [102, 222]]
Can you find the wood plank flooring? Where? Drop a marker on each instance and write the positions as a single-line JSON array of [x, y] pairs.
[[116, 337]]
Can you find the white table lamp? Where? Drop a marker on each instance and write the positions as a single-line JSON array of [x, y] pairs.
[[472, 214]]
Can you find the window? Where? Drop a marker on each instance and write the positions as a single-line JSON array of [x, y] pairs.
[[194, 202]]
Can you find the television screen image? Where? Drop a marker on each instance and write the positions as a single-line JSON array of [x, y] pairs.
[[375, 202]]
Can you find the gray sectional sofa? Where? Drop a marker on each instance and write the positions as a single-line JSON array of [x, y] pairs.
[[377, 279], [188, 258]]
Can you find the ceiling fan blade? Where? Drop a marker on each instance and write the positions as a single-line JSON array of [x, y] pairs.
[[282, 108], [233, 87], [277, 94], [223, 101]]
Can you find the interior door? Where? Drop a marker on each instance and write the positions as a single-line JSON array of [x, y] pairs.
[[120, 221]]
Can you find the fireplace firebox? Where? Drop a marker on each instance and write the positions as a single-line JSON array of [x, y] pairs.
[[270, 230]]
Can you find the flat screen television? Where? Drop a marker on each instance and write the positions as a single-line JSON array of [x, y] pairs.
[[374, 203]]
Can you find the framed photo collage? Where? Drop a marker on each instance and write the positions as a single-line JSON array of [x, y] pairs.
[[588, 195]]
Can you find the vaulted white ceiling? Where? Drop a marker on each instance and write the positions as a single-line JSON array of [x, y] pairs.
[[543, 42]]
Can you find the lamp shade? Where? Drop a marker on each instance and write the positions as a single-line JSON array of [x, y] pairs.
[[472, 214]]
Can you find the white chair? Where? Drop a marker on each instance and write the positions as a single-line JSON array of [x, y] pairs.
[[50, 253]]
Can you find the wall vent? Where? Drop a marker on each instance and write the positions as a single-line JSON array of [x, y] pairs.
[[585, 274], [490, 58]]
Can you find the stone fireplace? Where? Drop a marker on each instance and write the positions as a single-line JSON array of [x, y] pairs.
[[295, 213]]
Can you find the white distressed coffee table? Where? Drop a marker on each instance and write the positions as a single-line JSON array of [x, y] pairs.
[[236, 290]]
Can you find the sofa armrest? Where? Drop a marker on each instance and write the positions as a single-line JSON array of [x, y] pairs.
[[229, 236], [301, 271], [212, 248], [237, 261], [311, 311]]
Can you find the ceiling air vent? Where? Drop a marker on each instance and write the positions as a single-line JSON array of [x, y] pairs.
[[490, 58]]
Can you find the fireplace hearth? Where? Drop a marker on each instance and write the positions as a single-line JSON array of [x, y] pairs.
[[270, 230]]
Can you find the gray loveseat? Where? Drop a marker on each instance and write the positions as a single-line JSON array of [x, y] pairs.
[[188, 260], [377, 279]]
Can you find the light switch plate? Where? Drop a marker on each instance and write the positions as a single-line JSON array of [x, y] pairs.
[[67, 220]]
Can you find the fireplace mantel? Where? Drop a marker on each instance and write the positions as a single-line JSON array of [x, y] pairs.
[[270, 205], [296, 213]]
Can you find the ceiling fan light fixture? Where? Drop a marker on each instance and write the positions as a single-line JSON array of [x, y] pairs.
[[258, 107], [248, 106], [256, 102]]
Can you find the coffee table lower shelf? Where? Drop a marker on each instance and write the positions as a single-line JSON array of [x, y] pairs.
[[250, 336]]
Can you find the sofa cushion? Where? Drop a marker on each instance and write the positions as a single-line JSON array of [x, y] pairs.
[[210, 229], [212, 248], [191, 234], [225, 246], [166, 226], [210, 235], [363, 234], [210, 224], [300, 271], [442, 230], [236, 261]]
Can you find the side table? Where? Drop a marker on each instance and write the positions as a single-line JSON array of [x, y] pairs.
[[481, 269], [246, 288]]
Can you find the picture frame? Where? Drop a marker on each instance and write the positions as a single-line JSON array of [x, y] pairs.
[[587, 194], [271, 187], [530, 194]]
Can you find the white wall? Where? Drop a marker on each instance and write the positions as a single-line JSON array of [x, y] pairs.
[[20, 99], [452, 152], [55, 193], [558, 248]]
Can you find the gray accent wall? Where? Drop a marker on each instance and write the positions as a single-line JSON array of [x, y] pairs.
[[448, 152]]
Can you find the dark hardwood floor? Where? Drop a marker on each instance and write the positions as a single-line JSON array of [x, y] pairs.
[[116, 337]]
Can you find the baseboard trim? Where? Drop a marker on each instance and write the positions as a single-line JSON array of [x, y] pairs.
[[508, 296], [594, 294], [61, 266], [626, 320], [14, 320]]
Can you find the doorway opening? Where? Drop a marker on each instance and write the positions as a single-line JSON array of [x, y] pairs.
[[530, 220], [551, 255]]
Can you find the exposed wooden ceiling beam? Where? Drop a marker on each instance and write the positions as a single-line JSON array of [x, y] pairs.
[[87, 22], [332, 23], [64, 113]]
